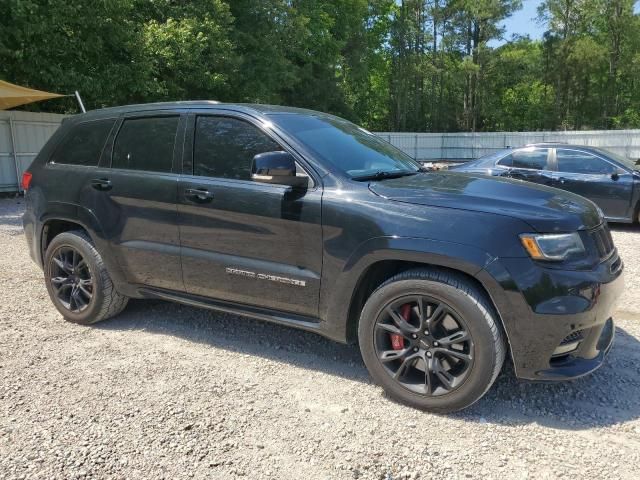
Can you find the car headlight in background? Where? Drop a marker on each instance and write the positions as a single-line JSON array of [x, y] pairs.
[[552, 246]]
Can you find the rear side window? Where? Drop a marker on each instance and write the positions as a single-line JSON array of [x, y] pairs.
[[145, 144], [532, 159], [224, 147], [83, 145], [574, 161]]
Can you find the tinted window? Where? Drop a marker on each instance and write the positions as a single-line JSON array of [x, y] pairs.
[[83, 145], [224, 147], [573, 161], [145, 144], [626, 161], [345, 145], [534, 159]]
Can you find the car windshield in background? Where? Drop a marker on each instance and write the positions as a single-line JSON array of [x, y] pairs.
[[357, 152], [627, 162]]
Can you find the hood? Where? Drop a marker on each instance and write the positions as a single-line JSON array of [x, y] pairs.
[[546, 209]]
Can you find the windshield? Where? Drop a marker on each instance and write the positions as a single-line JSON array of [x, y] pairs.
[[627, 162], [350, 148]]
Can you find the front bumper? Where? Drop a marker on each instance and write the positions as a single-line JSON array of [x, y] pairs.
[[558, 322]]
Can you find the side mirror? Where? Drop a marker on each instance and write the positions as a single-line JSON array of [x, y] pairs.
[[277, 168], [615, 176]]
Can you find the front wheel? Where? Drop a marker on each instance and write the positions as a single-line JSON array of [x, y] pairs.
[[431, 340], [77, 280]]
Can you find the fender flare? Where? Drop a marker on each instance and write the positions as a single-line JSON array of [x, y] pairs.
[[86, 219], [337, 298]]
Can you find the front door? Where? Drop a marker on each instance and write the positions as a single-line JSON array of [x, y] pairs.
[[244, 241], [133, 194], [592, 177]]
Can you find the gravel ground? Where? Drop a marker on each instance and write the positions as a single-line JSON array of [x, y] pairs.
[[168, 391]]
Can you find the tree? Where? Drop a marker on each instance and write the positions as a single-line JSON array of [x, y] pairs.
[[413, 65]]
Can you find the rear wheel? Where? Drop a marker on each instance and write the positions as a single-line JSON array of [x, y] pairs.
[[78, 282], [431, 339]]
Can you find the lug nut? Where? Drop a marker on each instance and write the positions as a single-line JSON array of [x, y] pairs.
[[413, 335], [426, 332], [435, 344], [429, 354], [415, 349]]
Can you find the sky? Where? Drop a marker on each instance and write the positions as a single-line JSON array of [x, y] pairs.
[[524, 21]]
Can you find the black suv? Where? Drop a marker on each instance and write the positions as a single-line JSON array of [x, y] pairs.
[[307, 220]]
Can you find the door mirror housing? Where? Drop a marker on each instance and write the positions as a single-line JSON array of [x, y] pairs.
[[615, 176], [277, 168]]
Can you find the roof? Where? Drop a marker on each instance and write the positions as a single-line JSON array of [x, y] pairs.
[[588, 148], [198, 104], [548, 144]]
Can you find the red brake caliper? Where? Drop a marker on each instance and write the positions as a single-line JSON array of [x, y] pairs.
[[397, 341]]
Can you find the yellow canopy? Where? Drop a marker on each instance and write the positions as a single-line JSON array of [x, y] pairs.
[[13, 95]]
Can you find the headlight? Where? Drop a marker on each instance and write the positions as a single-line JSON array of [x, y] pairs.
[[552, 247]]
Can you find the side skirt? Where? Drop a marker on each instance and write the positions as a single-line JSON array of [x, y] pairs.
[[309, 324]]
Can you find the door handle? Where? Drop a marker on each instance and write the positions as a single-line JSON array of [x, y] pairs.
[[101, 184], [200, 195]]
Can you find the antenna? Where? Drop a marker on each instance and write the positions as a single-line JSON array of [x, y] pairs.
[[77, 94]]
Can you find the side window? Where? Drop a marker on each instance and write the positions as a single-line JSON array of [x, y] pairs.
[[83, 145], [224, 147], [532, 159], [506, 161], [145, 144], [574, 161]]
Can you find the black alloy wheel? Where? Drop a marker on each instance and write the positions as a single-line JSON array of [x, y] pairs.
[[77, 280], [424, 345], [71, 279], [432, 339]]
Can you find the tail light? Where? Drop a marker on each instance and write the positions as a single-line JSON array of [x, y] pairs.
[[26, 180]]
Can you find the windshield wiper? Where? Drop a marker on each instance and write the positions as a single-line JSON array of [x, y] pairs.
[[380, 175]]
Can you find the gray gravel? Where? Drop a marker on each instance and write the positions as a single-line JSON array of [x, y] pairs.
[[167, 391]]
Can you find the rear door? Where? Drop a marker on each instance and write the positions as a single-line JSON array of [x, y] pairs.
[[531, 164], [595, 178], [74, 159], [133, 194], [244, 241]]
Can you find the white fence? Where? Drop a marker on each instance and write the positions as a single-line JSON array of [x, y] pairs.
[[457, 147], [22, 135]]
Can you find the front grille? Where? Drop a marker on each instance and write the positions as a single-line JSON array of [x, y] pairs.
[[572, 337], [602, 240]]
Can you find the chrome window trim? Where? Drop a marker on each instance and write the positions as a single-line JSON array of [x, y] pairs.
[[522, 168]]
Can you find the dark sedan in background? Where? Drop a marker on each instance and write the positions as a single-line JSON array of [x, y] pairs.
[[607, 179]]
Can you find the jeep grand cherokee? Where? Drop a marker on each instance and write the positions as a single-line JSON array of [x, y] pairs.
[[307, 220]]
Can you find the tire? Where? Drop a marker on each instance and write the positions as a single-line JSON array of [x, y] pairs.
[[454, 310], [95, 297]]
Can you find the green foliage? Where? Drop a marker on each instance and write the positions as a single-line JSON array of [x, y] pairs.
[[187, 53], [414, 65]]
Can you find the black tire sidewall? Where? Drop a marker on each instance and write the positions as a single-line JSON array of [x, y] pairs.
[[482, 373], [70, 239]]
